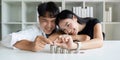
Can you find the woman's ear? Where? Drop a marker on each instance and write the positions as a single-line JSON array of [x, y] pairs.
[[74, 18]]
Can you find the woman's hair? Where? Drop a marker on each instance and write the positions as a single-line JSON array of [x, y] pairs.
[[65, 14], [49, 7]]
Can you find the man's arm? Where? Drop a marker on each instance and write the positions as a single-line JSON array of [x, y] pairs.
[[24, 45], [41, 41], [37, 45]]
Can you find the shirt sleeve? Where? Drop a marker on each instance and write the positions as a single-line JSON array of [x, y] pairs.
[[29, 34], [95, 21], [6, 41]]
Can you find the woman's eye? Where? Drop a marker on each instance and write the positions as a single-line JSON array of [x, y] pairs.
[[68, 25], [63, 30]]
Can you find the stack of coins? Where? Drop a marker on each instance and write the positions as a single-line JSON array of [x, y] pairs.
[[52, 48], [57, 49]]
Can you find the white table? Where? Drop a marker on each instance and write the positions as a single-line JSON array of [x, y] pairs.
[[110, 51]]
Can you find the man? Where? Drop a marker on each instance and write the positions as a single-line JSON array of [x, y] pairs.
[[34, 39]]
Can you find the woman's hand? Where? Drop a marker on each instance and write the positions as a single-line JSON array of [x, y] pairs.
[[65, 41]]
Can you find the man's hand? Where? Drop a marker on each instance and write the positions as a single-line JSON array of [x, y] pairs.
[[40, 43]]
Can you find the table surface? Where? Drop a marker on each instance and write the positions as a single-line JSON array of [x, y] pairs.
[[109, 51]]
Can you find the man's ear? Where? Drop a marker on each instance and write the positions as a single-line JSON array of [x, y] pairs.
[[74, 18]]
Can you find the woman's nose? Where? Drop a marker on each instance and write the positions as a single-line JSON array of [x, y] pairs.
[[68, 31]]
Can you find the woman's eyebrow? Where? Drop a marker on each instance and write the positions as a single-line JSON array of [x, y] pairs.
[[66, 23]]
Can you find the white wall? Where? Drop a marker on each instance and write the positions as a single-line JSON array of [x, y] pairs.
[[0, 19]]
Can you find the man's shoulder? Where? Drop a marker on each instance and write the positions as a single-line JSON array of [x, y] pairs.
[[29, 29]]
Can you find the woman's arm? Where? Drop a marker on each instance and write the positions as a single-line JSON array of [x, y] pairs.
[[97, 40], [82, 37]]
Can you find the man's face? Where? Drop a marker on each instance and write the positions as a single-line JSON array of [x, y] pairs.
[[47, 24]]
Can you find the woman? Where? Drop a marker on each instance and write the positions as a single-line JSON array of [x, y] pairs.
[[71, 24]]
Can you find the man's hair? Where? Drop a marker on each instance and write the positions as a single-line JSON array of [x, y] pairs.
[[48, 7]]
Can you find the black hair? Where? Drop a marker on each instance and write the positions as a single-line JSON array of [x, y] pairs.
[[69, 14], [49, 7]]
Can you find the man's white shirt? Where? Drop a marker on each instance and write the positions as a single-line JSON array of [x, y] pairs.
[[28, 34]]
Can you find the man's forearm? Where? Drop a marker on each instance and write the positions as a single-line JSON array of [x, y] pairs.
[[38, 44], [24, 45]]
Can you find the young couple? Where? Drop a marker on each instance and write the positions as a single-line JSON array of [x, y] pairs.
[[87, 31]]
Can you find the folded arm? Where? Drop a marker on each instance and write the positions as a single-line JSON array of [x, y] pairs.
[[41, 41], [81, 37]]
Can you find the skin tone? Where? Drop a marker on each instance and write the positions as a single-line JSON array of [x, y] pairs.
[[71, 26], [48, 25]]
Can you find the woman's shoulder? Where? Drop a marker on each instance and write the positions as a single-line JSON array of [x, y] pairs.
[[91, 19]]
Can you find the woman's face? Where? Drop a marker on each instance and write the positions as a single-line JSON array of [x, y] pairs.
[[69, 26]]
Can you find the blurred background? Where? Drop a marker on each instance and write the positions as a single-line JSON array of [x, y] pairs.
[[19, 14]]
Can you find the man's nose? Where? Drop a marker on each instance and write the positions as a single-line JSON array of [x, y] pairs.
[[49, 24]]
